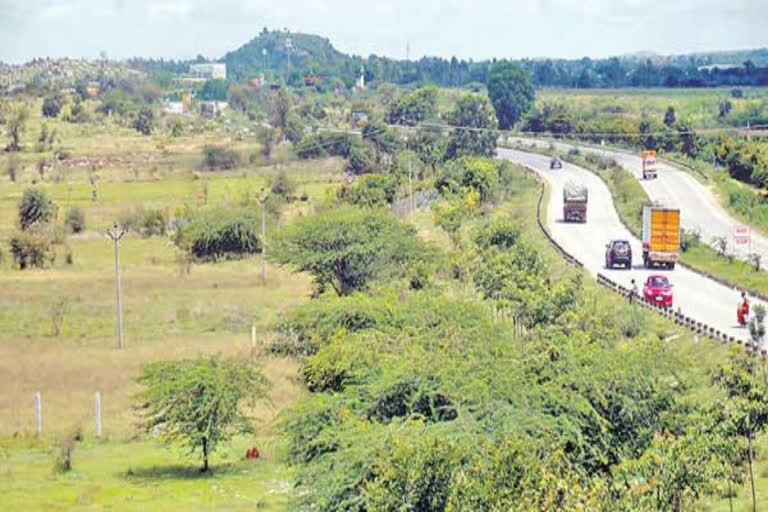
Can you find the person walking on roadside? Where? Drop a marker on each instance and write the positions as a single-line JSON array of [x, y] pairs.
[[633, 292], [742, 313]]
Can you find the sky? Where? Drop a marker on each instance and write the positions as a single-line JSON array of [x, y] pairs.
[[467, 29]]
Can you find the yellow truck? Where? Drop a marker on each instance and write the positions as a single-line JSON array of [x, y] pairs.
[[649, 164], [661, 236]]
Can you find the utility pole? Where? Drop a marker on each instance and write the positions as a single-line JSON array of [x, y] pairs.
[[116, 233], [263, 201]]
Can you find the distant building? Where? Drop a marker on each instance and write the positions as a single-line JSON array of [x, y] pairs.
[[92, 89], [209, 70], [173, 107], [310, 81], [209, 109], [361, 79]]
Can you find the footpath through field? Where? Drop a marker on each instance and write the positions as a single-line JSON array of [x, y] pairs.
[[697, 296]]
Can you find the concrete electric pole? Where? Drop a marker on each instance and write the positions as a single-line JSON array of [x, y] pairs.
[[263, 200], [116, 233]]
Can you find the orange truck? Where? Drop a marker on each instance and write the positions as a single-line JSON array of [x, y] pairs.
[[649, 164], [661, 236]]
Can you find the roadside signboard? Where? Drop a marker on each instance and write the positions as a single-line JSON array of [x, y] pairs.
[[741, 237]]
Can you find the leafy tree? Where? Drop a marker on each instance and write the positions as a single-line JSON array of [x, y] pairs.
[[411, 109], [362, 159], [51, 106], [214, 90], [386, 92], [669, 117], [475, 127], [32, 249], [267, 136], [294, 129], [35, 208], [384, 139], [219, 234], [220, 158], [347, 247], [746, 410], [144, 122], [281, 106], [75, 219], [16, 125], [199, 401], [431, 148], [511, 92]]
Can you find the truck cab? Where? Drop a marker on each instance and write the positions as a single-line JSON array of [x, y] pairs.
[[649, 164], [575, 198]]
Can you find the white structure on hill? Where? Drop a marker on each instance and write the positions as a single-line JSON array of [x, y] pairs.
[[209, 70], [361, 79]]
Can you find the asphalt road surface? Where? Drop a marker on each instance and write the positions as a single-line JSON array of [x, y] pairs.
[[699, 297], [699, 208]]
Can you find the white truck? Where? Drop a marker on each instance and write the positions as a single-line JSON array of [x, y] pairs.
[[649, 164]]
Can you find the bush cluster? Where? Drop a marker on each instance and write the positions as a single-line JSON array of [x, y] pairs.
[[219, 233]]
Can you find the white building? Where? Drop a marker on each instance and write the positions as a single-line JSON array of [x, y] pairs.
[[209, 70], [173, 107]]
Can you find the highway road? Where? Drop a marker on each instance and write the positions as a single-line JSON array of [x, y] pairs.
[[699, 297], [699, 208]]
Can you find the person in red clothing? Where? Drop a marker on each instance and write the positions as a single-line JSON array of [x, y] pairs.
[[742, 313]]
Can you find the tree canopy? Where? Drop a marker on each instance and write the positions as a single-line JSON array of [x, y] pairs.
[[475, 132], [511, 92], [199, 401]]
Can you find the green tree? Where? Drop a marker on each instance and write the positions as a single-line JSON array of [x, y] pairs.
[[347, 247], [746, 410], [475, 127], [281, 107], [669, 117], [51, 106], [511, 92], [199, 401], [294, 129], [16, 125], [214, 90], [431, 147], [35, 208], [145, 121], [411, 109]]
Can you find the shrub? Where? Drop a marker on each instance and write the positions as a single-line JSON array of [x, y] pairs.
[[145, 121], [153, 222], [372, 190], [51, 107], [346, 248], [690, 239], [283, 186], [75, 219], [223, 233], [35, 207], [32, 249], [499, 233], [219, 158]]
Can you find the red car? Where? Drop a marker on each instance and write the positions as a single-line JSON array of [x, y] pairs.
[[658, 291]]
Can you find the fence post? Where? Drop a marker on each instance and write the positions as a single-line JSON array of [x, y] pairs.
[[38, 413], [97, 413], [253, 343]]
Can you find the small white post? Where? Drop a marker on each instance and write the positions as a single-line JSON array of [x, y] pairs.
[[97, 413], [38, 413]]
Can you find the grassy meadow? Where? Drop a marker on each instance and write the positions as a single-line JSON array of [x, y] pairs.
[[168, 314]]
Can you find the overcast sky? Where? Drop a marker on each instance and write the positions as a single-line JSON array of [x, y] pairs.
[[465, 28]]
